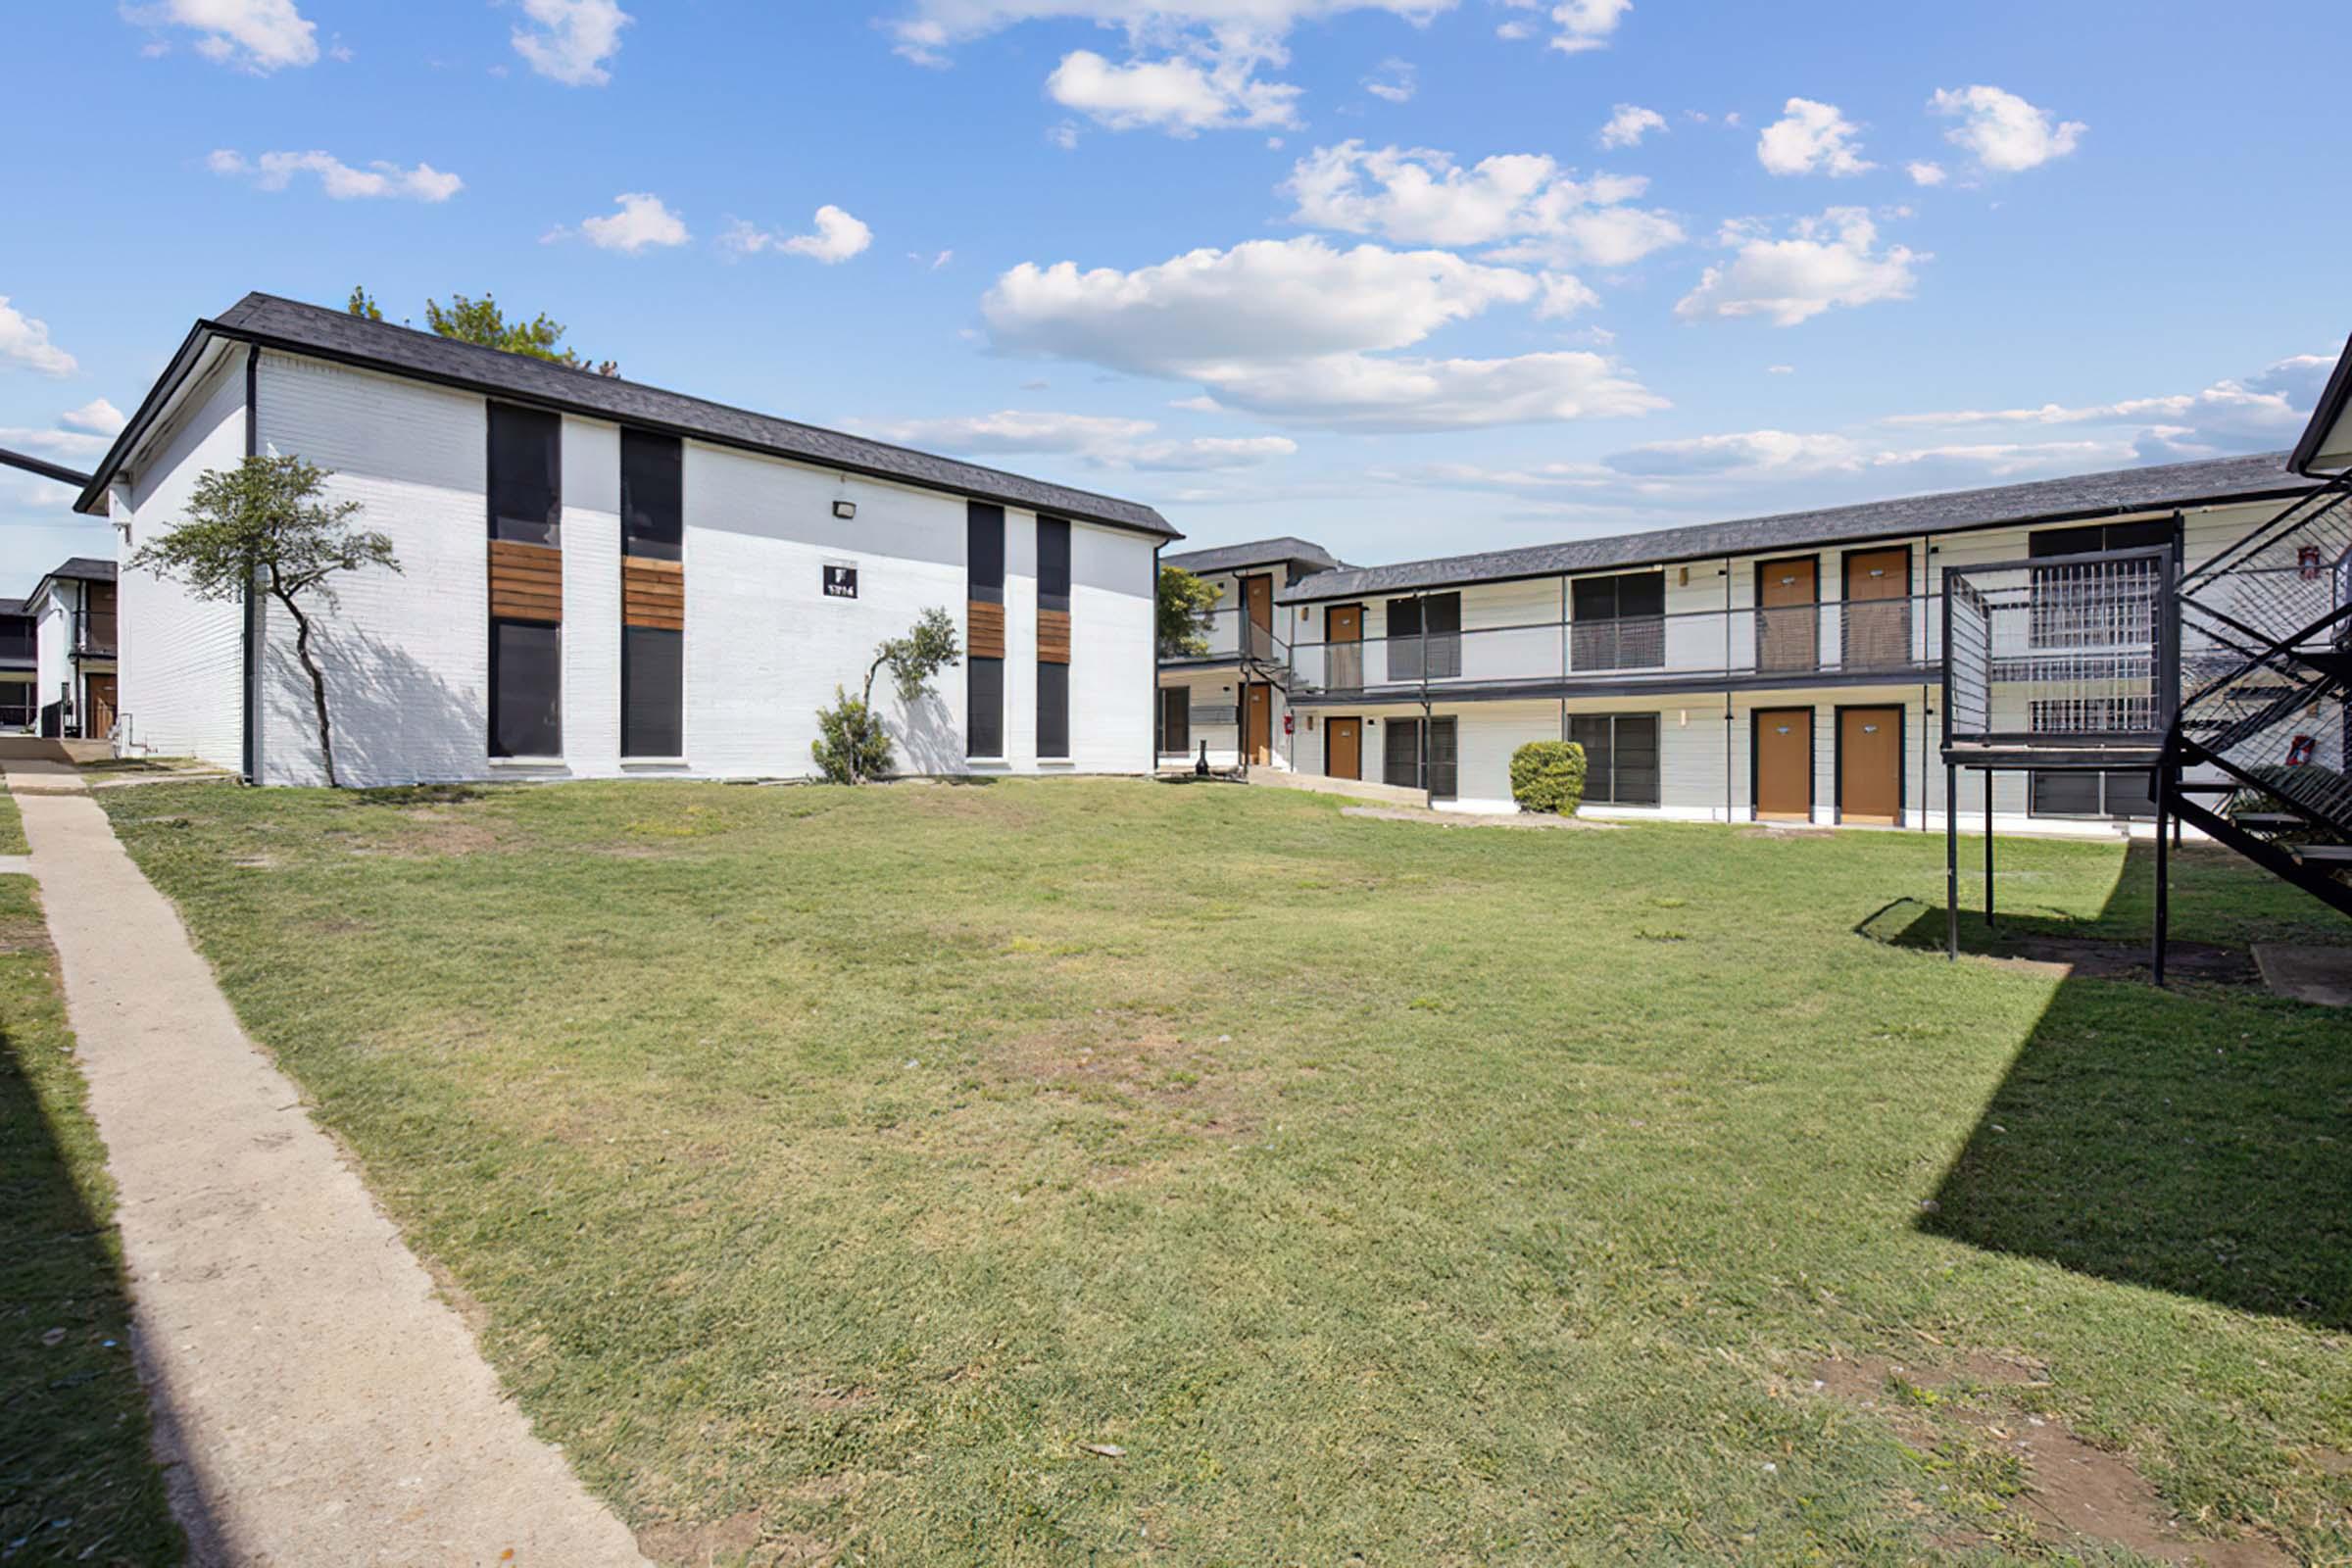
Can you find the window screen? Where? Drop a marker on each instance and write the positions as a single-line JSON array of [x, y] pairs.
[[984, 720], [1621, 757], [1175, 721], [653, 495], [1053, 563], [526, 492], [1425, 637], [1401, 756], [2109, 794], [984, 552], [1052, 709], [652, 692], [526, 689], [1617, 622]]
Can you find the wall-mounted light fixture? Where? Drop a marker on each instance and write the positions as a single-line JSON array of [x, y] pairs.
[[844, 510]]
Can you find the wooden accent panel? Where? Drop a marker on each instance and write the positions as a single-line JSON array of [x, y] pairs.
[[1052, 636], [653, 593], [986, 633], [526, 581]]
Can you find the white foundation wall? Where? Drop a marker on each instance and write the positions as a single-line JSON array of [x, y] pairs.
[[181, 659]]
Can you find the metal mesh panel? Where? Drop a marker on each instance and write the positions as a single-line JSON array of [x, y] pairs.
[[2059, 652]]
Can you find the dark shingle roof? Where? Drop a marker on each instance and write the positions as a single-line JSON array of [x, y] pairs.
[[1257, 553], [338, 336], [15, 607], [2089, 494], [87, 567]]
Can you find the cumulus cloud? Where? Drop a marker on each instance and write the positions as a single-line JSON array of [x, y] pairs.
[[1180, 95], [1578, 25], [1738, 452], [1925, 172], [25, 341], [642, 222], [928, 29], [1394, 82], [1828, 261], [1811, 138], [1299, 330], [570, 40], [379, 180], [255, 35], [1563, 295], [97, 417], [1629, 124], [2003, 132], [1418, 196], [836, 238], [2252, 414], [1099, 441]]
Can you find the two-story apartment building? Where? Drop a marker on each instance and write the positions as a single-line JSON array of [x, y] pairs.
[[1230, 701], [74, 633], [603, 579], [20, 705], [1779, 669]]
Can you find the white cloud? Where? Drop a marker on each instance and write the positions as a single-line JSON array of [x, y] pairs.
[[1583, 24], [1811, 138], [1828, 261], [1395, 82], [2262, 411], [1063, 135], [2005, 134], [379, 180], [65, 446], [929, 28], [256, 36], [1742, 451], [570, 40], [1923, 171], [1099, 440], [1180, 95], [1292, 330], [94, 418], [1780, 370], [1420, 196], [642, 221], [1563, 295], [1629, 124], [837, 237], [26, 341]]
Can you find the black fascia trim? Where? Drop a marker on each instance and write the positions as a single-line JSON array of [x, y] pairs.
[[167, 386], [2324, 418]]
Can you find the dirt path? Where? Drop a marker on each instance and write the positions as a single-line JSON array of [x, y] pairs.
[[316, 1400]]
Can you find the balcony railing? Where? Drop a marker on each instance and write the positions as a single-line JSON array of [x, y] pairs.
[[1899, 638], [1232, 635], [94, 632]]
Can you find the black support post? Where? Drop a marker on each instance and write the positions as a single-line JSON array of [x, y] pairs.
[[1988, 850], [1951, 862], [2164, 775]]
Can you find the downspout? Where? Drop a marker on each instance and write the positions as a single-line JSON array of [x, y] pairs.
[[1728, 817], [1151, 736], [1428, 794], [252, 651]]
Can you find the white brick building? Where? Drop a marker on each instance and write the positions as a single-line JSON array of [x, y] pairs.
[[601, 578]]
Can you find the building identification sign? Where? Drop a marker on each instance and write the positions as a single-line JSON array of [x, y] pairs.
[[841, 582]]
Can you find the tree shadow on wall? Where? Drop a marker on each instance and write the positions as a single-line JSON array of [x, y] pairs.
[[396, 719]]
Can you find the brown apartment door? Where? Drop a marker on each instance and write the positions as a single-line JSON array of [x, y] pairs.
[[99, 720], [1878, 608], [1343, 630], [1257, 720], [1870, 766], [1343, 748], [1784, 764], [1257, 598], [1789, 613]]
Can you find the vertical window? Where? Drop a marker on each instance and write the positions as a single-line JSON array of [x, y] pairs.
[[653, 595], [984, 664], [1413, 760], [1621, 757], [1617, 622], [1175, 721], [1052, 637], [527, 582], [1425, 637]]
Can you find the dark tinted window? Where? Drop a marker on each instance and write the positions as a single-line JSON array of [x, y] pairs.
[[1175, 719], [1052, 709], [526, 689], [2103, 536], [983, 551], [984, 722], [526, 492], [1635, 593], [1053, 563], [1403, 756], [653, 691], [653, 494], [1621, 757]]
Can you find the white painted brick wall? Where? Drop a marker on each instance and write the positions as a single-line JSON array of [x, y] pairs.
[[592, 597]]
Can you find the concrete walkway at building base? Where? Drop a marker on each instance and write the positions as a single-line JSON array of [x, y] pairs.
[[316, 1400]]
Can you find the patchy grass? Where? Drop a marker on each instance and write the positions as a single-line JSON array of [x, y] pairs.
[[841, 1173], [76, 1483], [142, 765], [12, 826]]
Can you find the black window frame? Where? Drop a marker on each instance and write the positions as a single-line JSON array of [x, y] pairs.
[[1054, 563], [1604, 783], [645, 731], [1442, 780], [1175, 701], [984, 707], [984, 583], [2137, 792], [1604, 633], [509, 496], [984, 552], [503, 703], [1425, 637], [653, 495]]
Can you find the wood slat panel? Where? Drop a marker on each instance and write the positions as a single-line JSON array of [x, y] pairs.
[[526, 581], [1052, 636], [655, 620], [653, 593], [986, 623]]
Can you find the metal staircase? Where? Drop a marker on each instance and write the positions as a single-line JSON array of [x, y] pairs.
[[2259, 753]]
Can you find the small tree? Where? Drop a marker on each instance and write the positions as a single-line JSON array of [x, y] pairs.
[[851, 746], [1185, 601], [472, 320], [262, 524], [1549, 776]]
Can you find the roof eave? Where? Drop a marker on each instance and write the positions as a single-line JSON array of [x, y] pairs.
[[2326, 417], [92, 500]]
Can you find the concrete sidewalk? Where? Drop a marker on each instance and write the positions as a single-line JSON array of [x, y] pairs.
[[317, 1400]]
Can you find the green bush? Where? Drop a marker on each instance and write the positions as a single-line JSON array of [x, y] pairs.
[[851, 745], [1549, 776]]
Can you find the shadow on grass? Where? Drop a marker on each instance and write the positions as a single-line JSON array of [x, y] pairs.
[[2190, 1140]]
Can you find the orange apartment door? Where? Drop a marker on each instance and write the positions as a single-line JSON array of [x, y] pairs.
[[1257, 597], [1870, 766], [1343, 748], [99, 722], [1343, 630], [1789, 613], [1784, 738], [1257, 720], [1878, 608]]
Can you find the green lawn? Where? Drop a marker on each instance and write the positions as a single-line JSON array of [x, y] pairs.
[[831, 1168], [77, 1484], [12, 824]]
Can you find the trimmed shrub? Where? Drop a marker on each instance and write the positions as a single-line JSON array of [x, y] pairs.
[[1549, 776]]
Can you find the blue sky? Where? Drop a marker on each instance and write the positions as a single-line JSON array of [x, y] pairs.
[[1373, 272]]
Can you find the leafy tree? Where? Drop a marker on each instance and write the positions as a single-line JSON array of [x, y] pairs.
[[1185, 601], [851, 745], [472, 320], [262, 524]]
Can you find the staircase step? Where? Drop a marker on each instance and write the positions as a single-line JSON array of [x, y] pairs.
[[2269, 819], [2322, 853]]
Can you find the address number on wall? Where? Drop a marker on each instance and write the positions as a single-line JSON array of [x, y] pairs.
[[841, 582]]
